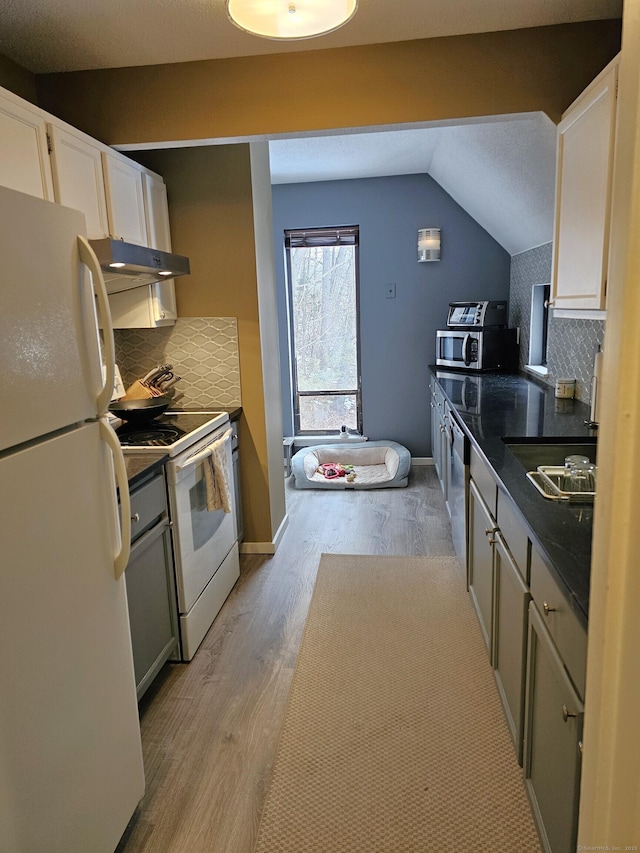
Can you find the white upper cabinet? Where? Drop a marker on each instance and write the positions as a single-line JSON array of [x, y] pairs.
[[45, 157], [583, 196], [24, 157], [157, 210], [159, 236], [154, 305], [78, 178], [125, 199]]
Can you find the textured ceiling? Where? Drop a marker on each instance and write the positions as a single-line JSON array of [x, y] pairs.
[[69, 35], [501, 172]]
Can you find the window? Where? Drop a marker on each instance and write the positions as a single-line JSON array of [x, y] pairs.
[[539, 327], [322, 272]]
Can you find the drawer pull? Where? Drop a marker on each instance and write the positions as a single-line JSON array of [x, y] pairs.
[[547, 609], [566, 713], [135, 517]]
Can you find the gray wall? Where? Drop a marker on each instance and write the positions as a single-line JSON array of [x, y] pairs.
[[572, 344], [397, 335]]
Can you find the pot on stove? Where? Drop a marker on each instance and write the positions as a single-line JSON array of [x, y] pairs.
[[140, 411]]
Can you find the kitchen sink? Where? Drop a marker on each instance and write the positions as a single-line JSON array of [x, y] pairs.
[[532, 453]]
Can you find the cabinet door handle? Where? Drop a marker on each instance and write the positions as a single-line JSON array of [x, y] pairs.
[[547, 609], [135, 517], [580, 747], [489, 532], [566, 713]]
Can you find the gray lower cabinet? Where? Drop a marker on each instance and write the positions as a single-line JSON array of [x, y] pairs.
[[553, 728], [512, 597], [482, 528], [537, 645], [150, 584]]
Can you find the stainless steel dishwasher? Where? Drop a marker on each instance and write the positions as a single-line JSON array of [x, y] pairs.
[[458, 485]]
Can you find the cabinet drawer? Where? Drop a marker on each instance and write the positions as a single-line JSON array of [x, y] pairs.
[[148, 503], [562, 623], [514, 533], [483, 478]]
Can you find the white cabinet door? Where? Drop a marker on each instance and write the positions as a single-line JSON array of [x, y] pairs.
[[125, 200], [157, 212], [78, 178], [159, 236], [24, 158], [583, 196], [154, 305]]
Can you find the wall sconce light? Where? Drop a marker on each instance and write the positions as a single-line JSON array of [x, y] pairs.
[[290, 19], [428, 244]]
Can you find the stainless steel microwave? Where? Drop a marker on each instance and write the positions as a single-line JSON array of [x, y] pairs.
[[489, 349]]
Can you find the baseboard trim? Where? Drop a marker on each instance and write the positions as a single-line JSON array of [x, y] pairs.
[[277, 539], [266, 547], [422, 460]]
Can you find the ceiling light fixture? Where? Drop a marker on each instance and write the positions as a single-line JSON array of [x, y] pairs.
[[290, 19]]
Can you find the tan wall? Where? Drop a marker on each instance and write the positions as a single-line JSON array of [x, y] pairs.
[[18, 80], [211, 211], [432, 79]]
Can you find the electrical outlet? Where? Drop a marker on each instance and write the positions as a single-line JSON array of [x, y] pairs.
[[391, 291]]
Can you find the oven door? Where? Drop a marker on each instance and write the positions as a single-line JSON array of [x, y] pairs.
[[458, 349], [202, 538]]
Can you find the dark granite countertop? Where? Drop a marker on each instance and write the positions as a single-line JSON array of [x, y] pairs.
[[498, 406], [140, 465]]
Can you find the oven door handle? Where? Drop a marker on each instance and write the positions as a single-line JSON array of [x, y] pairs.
[[197, 458]]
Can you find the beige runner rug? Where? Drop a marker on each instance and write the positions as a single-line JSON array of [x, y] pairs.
[[394, 737]]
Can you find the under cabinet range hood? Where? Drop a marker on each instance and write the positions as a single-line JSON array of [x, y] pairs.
[[126, 265]]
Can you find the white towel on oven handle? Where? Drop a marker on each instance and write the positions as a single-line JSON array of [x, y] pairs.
[[216, 476]]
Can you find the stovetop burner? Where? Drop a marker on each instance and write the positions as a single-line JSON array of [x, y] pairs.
[[151, 434], [171, 432]]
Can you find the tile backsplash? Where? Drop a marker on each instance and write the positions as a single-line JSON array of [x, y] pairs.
[[572, 343], [203, 351]]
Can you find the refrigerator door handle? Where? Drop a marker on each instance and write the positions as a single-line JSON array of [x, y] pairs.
[[111, 439], [88, 257]]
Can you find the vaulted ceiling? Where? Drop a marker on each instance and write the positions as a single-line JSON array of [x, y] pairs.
[[501, 172]]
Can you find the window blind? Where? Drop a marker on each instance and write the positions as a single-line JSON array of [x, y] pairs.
[[313, 237]]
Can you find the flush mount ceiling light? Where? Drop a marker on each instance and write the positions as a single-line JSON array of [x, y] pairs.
[[290, 19]]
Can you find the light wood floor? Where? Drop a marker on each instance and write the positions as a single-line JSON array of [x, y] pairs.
[[210, 728]]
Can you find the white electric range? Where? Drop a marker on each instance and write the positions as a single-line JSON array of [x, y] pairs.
[[205, 543]]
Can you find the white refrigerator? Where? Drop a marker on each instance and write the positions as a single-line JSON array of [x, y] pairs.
[[71, 772]]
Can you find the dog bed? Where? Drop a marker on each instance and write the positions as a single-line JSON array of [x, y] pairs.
[[372, 464]]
